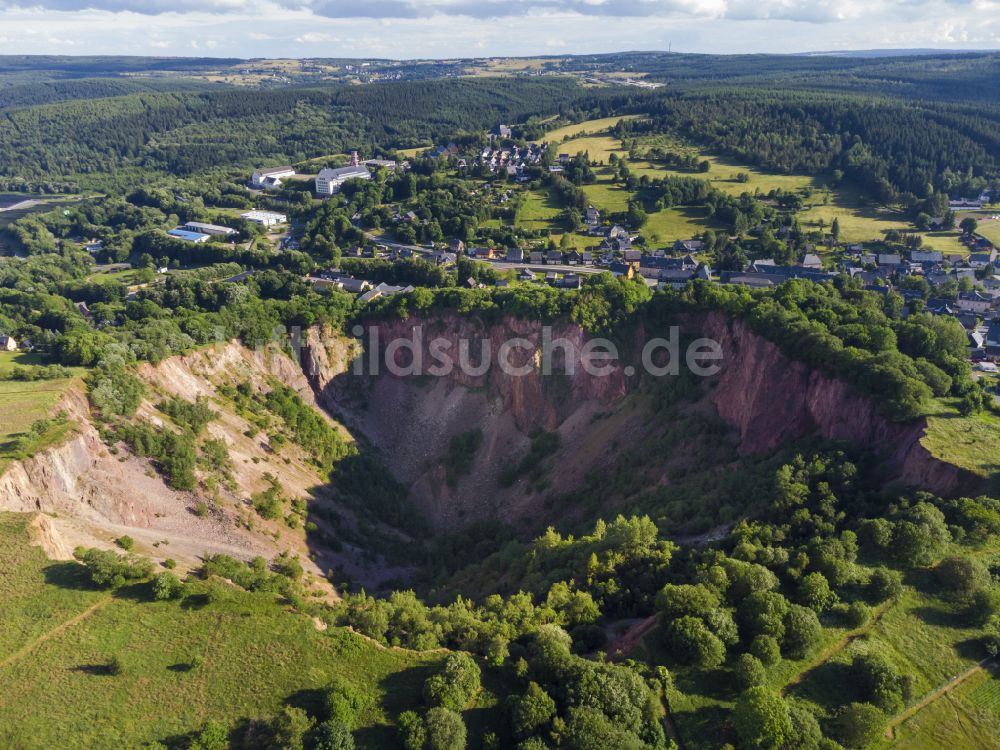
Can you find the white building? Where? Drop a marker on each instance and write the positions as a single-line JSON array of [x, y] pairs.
[[329, 181], [8, 344], [264, 218], [270, 178], [188, 236], [213, 229]]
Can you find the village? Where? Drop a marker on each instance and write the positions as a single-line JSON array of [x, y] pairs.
[[966, 287]]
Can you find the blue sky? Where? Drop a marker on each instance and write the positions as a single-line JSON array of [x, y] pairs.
[[468, 28]]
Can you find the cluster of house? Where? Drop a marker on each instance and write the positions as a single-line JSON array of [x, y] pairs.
[[661, 268], [511, 160], [533, 257], [199, 232], [366, 290]]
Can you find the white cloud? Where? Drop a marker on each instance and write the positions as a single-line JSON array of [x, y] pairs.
[[313, 38], [451, 28]]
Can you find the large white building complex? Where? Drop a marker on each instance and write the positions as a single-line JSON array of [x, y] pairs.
[[329, 181]]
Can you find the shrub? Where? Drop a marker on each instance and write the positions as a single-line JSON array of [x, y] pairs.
[[814, 592], [763, 613], [213, 736], [461, 453], [806, 733], [959, 577], [884, 584], [877, 681], [108, 570], [412, 731], [679, 600], [984, 607], [167, 586], [125, 542], [288, 565], [857, 614], [691, 642], [588, 729], [290, 728], [802, 631], [342, 702]]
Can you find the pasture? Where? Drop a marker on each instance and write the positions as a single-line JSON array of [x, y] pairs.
[[177, 671], [601, 125], [23, 403]]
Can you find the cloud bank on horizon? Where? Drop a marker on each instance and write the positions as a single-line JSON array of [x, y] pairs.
[[449, 28]]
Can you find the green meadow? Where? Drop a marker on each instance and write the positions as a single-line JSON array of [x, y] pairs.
[[218, 653], [22, 403]]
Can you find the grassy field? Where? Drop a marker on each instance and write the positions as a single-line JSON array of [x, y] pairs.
[[972, 442], [859, 219], [601, 125], [22, 403], [606, 196], [964, 719], [539, 211], [678, 223], [219, 653], [722, 173], [410, 153], [125, 276], [598, 147], [988, 226]]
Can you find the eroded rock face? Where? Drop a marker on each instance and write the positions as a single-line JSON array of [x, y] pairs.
[[411, 420], [766, 397], [770, 399]]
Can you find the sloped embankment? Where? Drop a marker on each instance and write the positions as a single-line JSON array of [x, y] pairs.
[[98, 492]]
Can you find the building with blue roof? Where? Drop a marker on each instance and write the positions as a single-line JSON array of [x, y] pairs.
[[188, 236]]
